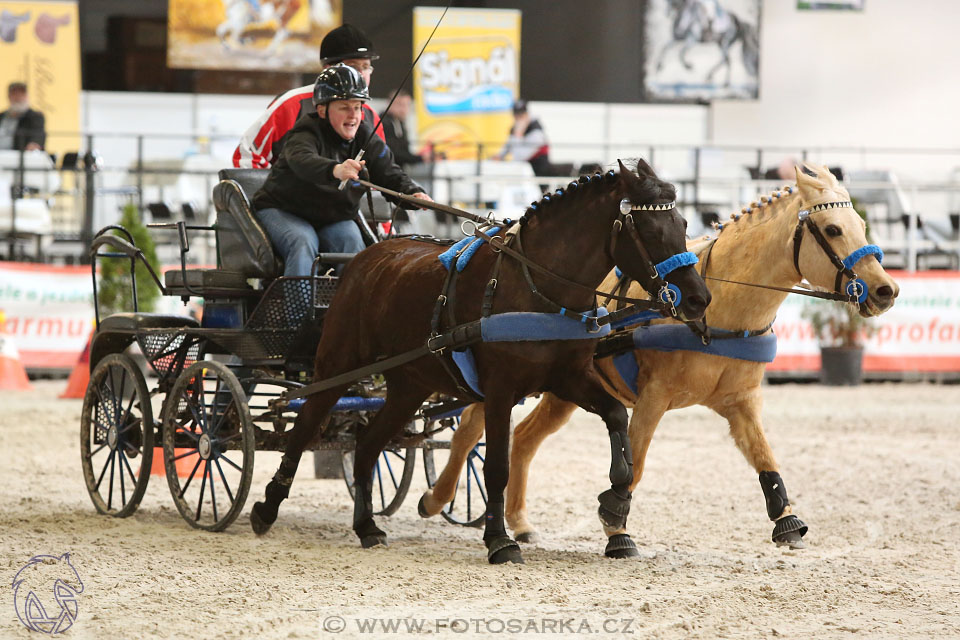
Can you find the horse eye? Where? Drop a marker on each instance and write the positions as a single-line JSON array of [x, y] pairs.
[[833, 230]]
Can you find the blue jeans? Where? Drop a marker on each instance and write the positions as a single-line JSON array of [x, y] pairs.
[[298, 241]]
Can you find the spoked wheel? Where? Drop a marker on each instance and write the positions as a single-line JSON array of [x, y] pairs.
[[391, 478], [116, 436], [469, 504], [208, 435]]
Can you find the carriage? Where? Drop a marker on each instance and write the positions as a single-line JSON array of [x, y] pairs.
[[219, 385]]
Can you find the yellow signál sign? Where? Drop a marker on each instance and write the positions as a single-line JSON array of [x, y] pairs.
[[467, 79], [40, 46]]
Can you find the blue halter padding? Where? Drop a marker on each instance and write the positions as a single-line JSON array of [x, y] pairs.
[[675, 337], [522, 327], [446, 258], [346, 403], [861, 253], [674, 262]]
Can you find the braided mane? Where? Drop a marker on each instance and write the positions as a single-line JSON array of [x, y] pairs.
[[757, 205], [585, 184]]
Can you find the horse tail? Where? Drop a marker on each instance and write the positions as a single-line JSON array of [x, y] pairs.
[[751, 46]]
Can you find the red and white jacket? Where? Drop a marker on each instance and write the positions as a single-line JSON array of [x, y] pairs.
[[262, 142]]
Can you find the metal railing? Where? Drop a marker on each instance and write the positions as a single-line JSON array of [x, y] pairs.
[[112, 169]]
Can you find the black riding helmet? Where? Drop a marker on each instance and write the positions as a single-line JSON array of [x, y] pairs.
[[339, 82], [346, 42]]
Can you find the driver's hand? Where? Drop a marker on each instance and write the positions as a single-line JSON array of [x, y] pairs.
[[423, 196], [348, 170]]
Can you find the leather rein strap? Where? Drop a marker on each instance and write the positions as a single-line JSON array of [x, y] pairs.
[[499, 245]]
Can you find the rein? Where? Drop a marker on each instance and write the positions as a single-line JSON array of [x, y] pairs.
[[668, 294]]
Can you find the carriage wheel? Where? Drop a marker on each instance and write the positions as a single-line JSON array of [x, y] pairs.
[[469, 504], [208, 435], [116, 436], [390, 482]]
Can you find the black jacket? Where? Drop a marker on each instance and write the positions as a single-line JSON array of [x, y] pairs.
[[396, 134], [31, 128], [302, 183]]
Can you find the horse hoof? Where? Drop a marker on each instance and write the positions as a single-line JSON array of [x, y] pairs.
[[792, 540], [503, 550], [374, 540], [258, 521], [422, 508], [789, 532], [528, 537], [620, 547]]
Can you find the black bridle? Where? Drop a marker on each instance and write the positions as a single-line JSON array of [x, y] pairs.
[[856, 289]]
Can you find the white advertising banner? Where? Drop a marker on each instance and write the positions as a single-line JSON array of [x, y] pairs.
[[921, 333], [48, 312]]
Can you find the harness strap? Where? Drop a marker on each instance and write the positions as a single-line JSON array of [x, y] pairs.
[[498, 244]]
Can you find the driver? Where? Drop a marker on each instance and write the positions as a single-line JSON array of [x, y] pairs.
[[300, 205]]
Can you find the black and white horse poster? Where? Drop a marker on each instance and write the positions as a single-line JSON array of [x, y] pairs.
[[702, 49]]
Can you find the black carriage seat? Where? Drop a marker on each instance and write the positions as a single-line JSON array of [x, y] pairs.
[[140, 321], [245, 247]]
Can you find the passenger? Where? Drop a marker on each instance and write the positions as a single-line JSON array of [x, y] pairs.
[[300, 205], [262, 143]]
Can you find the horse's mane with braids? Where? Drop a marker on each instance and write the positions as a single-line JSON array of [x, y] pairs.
[[583, 185], [755, 206], [590, 184]]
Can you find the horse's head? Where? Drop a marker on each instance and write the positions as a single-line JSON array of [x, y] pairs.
[[650, 224], [830, 245]]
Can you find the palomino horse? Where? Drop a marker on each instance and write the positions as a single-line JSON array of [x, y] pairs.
[[389, 292], [757, 248]]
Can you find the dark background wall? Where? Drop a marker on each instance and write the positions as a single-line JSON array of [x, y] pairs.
[[570, 50]]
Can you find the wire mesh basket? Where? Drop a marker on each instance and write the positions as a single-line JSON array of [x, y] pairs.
[[168, 352]]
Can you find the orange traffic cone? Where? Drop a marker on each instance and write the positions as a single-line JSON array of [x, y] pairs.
[[80, 376], [184, 465], [13, 377]]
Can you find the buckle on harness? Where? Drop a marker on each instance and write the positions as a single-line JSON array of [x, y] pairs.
[[442, 300], [434, 350]]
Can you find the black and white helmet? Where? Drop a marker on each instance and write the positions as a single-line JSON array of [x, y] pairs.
[[339, 82]]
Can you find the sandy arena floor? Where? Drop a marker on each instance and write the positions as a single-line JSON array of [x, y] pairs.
[[874, 471]]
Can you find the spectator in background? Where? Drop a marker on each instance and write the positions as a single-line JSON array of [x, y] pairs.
[[395, 130], [527, 141], [21, 128], [261, 144]]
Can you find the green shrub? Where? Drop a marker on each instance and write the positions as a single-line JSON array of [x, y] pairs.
[[114, 290]]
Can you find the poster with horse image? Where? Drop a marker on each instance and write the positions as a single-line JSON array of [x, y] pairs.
[[702, 49], [256, 35]]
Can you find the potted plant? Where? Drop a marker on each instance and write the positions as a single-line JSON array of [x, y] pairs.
[[115, 291], [841, 332]]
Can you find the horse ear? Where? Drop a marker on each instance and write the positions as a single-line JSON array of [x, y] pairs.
[[809, 186], [643, 167], [627, 175]]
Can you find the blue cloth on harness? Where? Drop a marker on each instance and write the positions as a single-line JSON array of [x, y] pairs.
[[522, 327], [446, 258], [346, 403], [674, 337]]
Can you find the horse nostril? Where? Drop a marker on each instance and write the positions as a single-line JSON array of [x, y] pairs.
[[886, 291]]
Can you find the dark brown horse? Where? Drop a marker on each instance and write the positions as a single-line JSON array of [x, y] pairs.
[[386, 300]]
